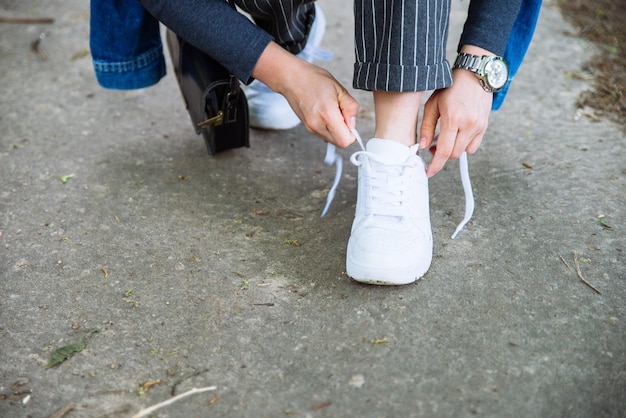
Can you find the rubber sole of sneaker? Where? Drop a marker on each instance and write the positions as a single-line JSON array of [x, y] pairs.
[[383, 277], [364, 269]]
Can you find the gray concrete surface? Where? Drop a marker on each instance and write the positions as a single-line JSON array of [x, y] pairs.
[[187, 264]]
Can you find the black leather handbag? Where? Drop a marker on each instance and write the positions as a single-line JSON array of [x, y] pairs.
[[216, 104]]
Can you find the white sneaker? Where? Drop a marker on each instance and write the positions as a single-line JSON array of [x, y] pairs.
[[270, 110], [391, 241]]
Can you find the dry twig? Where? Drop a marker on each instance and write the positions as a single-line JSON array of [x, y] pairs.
[[148, 411], [26, 20], [565, 262], [63, 411], [580, 275]]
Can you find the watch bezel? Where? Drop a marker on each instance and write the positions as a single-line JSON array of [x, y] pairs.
[[477, 64], [484, 75]]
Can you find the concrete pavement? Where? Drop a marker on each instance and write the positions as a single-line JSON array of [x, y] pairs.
[[204, 271]]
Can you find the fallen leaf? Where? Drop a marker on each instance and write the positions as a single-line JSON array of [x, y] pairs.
[[80, 54], [291, 241], [603, 222], [147, 385], [66, 352], [66, 177], [321, 405]]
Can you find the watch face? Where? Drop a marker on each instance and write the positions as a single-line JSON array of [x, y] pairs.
[[496, 73]]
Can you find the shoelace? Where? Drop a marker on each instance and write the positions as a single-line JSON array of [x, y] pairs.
[[333, 158], [469, 194], [388, 197]]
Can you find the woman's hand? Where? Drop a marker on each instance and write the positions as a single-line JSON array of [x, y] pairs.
[[462, 111], [323, 105]]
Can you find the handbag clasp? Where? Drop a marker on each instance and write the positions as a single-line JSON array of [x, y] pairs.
[[216, 120]]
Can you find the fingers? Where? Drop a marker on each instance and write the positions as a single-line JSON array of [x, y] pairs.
[[339, 134], [332, 127], [349, 109], [463, 115], [429, 123], [445, 147], [475, 143], [332, 114], [451, 144]]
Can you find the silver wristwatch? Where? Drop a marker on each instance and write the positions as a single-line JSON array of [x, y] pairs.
[[492, 71]]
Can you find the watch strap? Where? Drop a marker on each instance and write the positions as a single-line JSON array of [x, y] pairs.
[[468, 62]]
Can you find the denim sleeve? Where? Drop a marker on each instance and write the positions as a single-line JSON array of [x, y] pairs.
[[489, 23], [215, 28], [518, 43]]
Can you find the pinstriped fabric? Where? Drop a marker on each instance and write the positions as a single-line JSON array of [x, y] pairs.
[[288, 21], [400, 45]]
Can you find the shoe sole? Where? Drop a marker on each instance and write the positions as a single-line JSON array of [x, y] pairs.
[[388, 276], [384, 277]]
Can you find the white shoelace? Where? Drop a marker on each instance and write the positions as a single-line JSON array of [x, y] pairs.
[[333, 158], [388, 195], [469, 194]]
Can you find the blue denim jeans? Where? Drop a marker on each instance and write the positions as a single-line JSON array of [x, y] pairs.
[[125, 45], [517, 44]]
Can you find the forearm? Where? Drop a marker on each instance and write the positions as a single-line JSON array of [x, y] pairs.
[[275, 67], [215, 28], [488, 25]]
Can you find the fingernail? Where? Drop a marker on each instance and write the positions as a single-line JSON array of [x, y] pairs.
[[352, 122], [422, 143]]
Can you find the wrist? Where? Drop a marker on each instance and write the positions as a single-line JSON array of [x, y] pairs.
[[490, 70], [465, 74], [275, 67], [468, 78], [476, 50]]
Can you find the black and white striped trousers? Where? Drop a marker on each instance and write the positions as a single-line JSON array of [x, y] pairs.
[[400, 45]]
